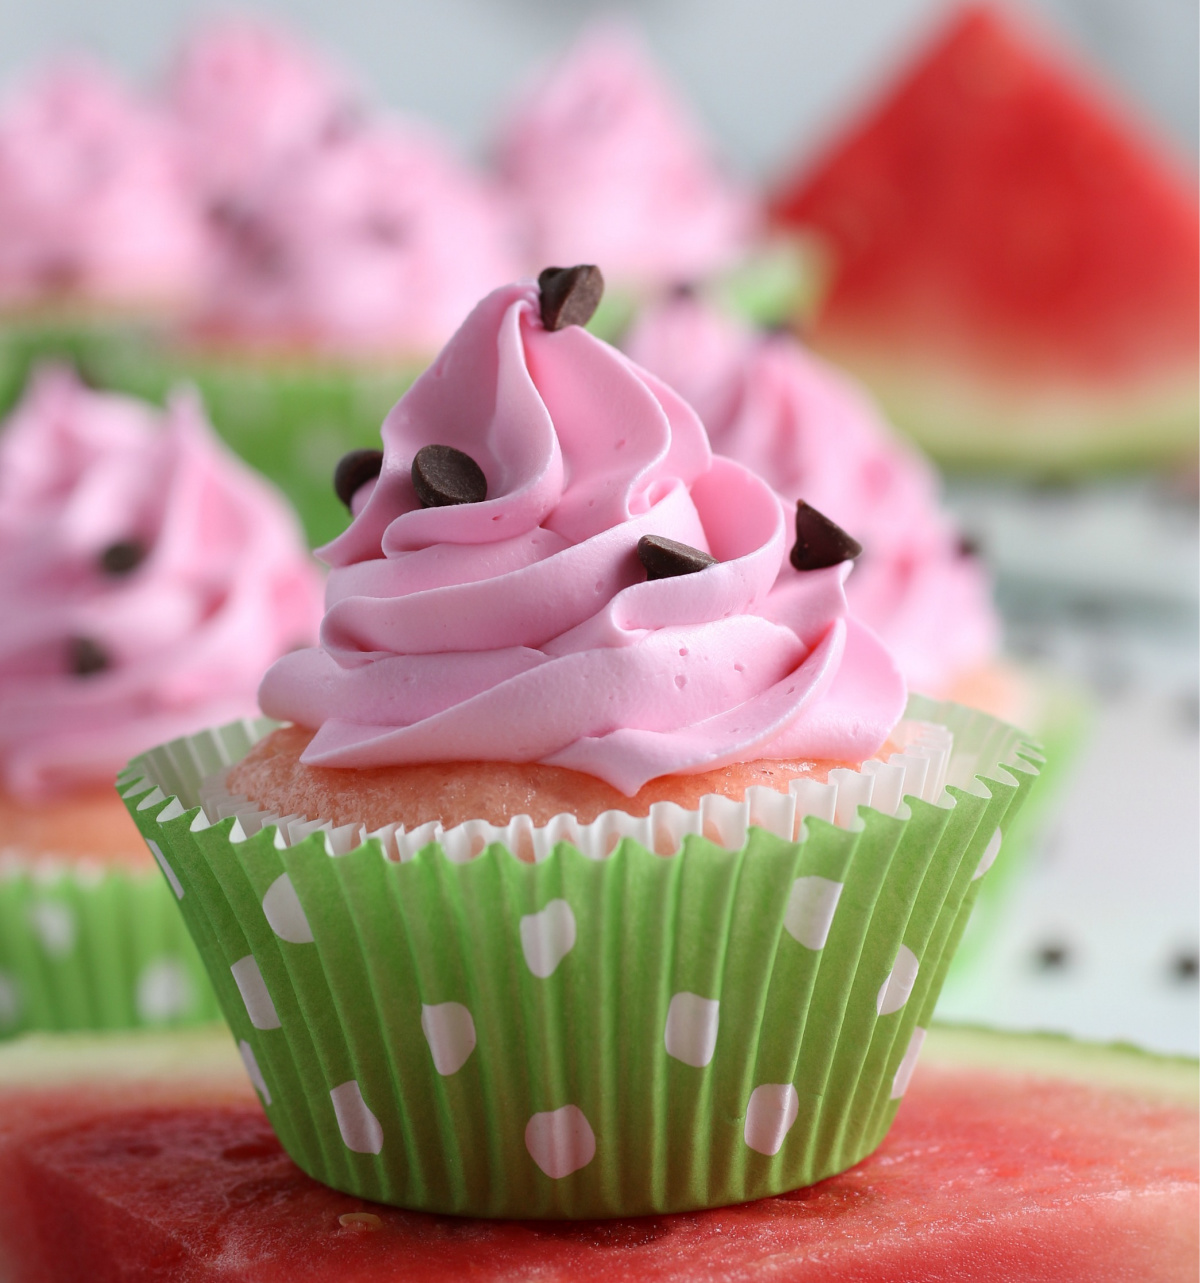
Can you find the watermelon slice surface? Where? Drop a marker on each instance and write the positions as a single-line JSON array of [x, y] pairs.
[[147, 1157], [1014, 261]]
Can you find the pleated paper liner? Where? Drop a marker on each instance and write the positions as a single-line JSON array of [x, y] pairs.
[[595, 1029], [88, 946]]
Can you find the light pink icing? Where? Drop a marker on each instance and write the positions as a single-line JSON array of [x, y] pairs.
[[227, 585], [249, 99], [522, 628], [813, 435], [379, 241], [607, 167], [93, 202]]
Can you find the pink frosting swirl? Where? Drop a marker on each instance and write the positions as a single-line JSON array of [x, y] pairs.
[[607, 167], [814, 435], [248, 98], [94, 205], [522, 628], [377, 242], [172, 642]]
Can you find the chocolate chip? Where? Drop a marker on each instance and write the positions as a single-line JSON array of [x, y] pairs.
[[819, 542], [570, 295], [122, 557], [442, 475], [968, 546], [86, 656], [1052, 956], [1185, 967], [354, 470], [664, 558]]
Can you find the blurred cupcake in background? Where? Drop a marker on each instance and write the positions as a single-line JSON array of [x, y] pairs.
[[343, 250], [149, 579], [606, 165], [99, 235]]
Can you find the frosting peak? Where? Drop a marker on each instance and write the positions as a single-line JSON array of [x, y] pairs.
[[607, 167], [149, 579], [523, 627], [813, 435]]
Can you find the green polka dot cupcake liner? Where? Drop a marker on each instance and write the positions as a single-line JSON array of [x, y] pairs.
[[91, 946], [630, 1016]]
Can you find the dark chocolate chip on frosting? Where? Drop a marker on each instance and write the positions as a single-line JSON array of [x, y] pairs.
[[85, 656], [442, 475], [570, 295], [354, 470], [664, 558], [819, 542], [122, 557]]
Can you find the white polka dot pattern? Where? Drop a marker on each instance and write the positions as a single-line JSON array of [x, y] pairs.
[[253, 1072], [770, 1114], [360, 1128], [691, 1032], [904, 1071], [560, 1141], [54, 925], [989, 855], [164, 991], [450, 1033], [894, 991], [810, 909], [253, 988], [547, 937], [284, 912]]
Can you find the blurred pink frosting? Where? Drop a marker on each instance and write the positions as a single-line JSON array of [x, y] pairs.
[[226, 584], [606, 167], [814, 435], [522, 628], [377, 242], [249, 99], [94, 206]]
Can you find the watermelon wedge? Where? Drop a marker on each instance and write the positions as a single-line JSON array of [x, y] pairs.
[[1013, 259], [147, 1157]]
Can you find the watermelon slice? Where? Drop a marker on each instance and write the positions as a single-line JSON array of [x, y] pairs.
[[1014, 263], [147, 1157]]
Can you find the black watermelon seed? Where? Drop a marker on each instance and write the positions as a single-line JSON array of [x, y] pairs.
[[664, 558], [122, 557], [86, 656], [354, 470], [819, 542], [442, 476], [570, 295]]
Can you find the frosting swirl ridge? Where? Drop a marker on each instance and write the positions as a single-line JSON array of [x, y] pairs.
[[523, 628]]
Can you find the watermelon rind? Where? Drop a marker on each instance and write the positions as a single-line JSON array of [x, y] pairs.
[[428, 1033]]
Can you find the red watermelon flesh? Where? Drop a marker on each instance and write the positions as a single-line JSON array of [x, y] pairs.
[[1015, 263], [1081, 1168]]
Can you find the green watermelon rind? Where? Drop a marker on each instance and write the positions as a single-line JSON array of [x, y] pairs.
[[389, 940]]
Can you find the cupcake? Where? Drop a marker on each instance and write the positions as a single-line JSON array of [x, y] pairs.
[[98, 235], [646, 877], [150, 579], [603, 162]]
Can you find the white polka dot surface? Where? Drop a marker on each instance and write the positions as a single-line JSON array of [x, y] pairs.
[[691, 1032], [895, 990], [547, 937], [770, 1114], [164, 991], [284, 912], [253, 1072], [253, 988], [560, 1141], [450, 1032], [908, 1063], [359, 1127], [810, 910], [55, 926]]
